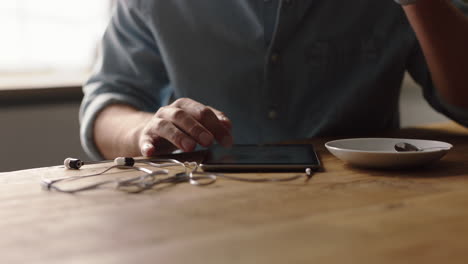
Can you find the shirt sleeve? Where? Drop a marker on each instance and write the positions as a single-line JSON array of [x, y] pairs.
[[130, 70], [418, 69]]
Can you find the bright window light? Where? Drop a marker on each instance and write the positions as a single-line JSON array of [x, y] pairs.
[[50, 35]]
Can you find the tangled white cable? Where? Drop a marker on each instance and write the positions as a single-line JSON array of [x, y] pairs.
[[150, 178]]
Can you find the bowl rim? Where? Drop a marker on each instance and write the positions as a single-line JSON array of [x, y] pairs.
[[442, 149]]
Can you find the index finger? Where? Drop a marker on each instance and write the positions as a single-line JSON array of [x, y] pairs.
[[207, 117], [222, 118]]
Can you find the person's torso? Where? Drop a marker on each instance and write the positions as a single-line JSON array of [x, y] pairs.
[[287, 70]]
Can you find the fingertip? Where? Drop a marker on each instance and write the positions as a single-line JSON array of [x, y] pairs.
[[188, 145], [226, 123], [205, 139], [147, 150]]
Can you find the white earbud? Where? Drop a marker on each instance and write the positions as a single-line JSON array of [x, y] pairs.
[[124, 161], [72, 163], [76, 164]]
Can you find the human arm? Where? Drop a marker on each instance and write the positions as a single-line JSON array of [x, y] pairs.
[[126, 97], [442, 31], [121, 130]]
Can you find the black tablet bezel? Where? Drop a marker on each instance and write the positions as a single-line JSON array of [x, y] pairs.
[[213, 165]]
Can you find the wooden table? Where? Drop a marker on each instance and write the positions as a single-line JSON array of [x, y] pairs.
[[343, 215]]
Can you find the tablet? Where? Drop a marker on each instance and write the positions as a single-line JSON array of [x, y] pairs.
[[261, 158]]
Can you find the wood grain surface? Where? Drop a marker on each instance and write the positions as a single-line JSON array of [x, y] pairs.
[[342, 215]]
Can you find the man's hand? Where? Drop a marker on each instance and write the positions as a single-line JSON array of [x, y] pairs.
[[183, 124], [121, 130]]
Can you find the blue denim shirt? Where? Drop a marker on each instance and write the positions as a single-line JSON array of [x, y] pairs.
[[280, 70]]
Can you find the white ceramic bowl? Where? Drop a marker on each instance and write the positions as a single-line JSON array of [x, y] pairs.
[[381, 153]]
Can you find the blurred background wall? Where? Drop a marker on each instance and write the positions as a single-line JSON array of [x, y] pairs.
[[48, 53], [38, 134]]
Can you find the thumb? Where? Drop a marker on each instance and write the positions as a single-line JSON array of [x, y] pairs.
[[146, 147]]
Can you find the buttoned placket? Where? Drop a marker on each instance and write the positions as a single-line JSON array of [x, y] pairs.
[[270, 8], [273, 90]]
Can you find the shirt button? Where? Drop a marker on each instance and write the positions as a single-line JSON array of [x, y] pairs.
[[272, 114], [274, 57]]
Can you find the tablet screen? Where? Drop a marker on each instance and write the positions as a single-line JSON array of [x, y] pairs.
[[261, 157]]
